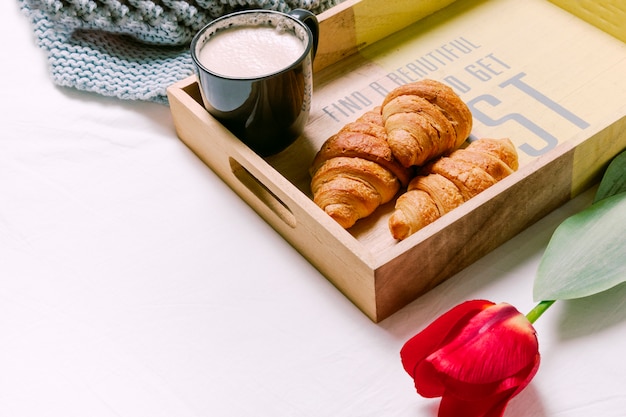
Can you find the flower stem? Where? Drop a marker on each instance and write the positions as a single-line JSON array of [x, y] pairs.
[[539, 309]]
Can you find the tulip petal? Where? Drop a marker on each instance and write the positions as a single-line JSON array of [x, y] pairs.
[[489, 392], [429, 382], [483, 400], [444, 328], [429, 339], [496, 343], [454, 407]]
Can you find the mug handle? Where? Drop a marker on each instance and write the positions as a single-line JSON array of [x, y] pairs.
[[308, 18]]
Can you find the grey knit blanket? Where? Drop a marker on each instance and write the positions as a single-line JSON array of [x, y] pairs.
[[131, 49]]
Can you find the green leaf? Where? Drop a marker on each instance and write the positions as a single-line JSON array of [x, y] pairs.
[[587, 253], [614, 179]]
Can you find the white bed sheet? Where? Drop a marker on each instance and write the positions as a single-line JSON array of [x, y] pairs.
[[134, 282]]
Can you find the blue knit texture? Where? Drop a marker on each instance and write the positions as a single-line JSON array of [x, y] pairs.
[[131, 49]]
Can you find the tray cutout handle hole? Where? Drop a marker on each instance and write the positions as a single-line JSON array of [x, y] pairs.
[[193, 91], [263, 193]]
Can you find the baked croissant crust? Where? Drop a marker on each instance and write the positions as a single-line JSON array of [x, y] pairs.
[[447, 182], [424, 120], [355, 171]]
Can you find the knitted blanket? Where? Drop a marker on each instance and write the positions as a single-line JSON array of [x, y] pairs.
[[131, 49]]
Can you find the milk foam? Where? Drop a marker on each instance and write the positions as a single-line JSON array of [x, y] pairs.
[[250, 51]]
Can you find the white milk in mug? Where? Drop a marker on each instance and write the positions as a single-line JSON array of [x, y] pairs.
[[251, 51]]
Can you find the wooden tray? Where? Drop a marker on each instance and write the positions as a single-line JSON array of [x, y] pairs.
[[554, 85]]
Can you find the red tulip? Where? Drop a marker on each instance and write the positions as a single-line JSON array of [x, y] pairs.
[[477, 356]]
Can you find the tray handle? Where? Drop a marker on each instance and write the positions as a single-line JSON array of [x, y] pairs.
[[262, 192]]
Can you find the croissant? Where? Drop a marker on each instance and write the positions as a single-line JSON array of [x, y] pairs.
[[424, 120], [447, 182], [355, 171]]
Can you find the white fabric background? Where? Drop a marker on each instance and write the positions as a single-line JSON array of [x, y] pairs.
[[134, 282]]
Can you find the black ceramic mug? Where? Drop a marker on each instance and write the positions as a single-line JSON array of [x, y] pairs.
[[255, 73]]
